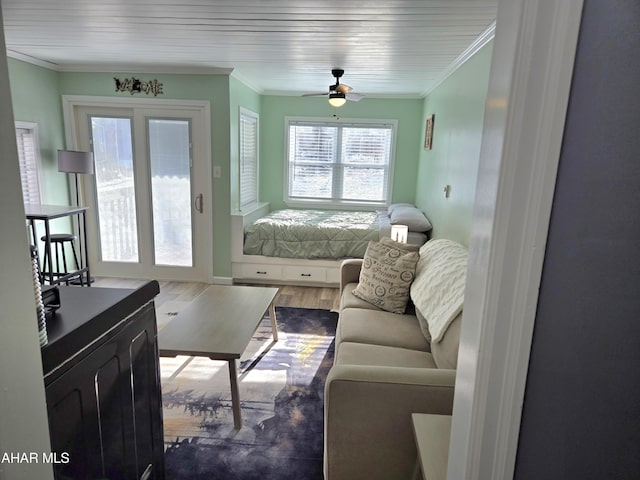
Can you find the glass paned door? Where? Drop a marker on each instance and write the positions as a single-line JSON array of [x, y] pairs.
[[170, 164], [149, 200], [115, 188]]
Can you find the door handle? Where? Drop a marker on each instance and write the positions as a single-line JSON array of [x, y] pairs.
[[199, 203]]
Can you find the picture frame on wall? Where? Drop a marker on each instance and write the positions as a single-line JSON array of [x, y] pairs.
[[428, 133]]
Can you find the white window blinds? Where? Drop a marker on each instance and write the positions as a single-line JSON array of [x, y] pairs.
[[248, 157], [26, 139], [339, 163]]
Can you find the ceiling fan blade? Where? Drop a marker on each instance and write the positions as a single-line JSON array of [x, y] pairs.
[[342, 88], [354, 97], [338, 90]]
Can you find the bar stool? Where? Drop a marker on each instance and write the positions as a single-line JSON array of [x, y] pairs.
[[58, 241]]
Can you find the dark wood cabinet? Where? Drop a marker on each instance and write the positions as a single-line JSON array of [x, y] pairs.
[[102, 384]]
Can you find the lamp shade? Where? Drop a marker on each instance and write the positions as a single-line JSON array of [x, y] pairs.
[[337, 99], [70, 161], [399, 233]]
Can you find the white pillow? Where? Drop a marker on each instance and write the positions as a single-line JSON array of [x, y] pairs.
[[394, 206], [411, 217]]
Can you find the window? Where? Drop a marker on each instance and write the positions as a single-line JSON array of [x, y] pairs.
[[28, 157], [339, 163], [248, 157]]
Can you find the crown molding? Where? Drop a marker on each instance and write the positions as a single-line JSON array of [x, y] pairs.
[[482, 39], [32, 60], [155, 69], [247, 83], [120, 68]]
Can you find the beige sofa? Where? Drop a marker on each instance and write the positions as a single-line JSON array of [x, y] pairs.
[[387, 367]]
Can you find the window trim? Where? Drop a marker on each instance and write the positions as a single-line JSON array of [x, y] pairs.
[[248, 113], [33, 127], [342, 122]]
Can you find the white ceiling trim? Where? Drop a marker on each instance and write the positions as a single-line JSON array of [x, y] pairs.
[[121, 68], [157, 69], [247, 82], [484, 38], [32, 60]]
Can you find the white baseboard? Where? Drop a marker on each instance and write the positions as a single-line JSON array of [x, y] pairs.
[[222, 280]]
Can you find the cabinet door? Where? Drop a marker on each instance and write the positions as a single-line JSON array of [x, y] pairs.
[[105, 414]]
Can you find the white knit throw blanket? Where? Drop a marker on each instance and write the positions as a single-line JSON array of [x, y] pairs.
[[438, 289]]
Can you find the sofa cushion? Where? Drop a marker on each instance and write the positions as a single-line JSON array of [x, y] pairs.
[[377, 327], [445, 352], [349, 300], [438, 289], [424, 326], [382, 356], [387, 272]]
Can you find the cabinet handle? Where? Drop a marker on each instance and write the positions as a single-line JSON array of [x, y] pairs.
[[146, 475], [261, 273], [305, 274]]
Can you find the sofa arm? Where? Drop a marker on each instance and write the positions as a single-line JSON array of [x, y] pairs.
[[349, 272], [368, 430]]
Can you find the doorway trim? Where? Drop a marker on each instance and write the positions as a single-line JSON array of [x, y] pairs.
[[531, 72], [203, 107]]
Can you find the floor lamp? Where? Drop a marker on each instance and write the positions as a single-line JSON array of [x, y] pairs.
[[71, 161]]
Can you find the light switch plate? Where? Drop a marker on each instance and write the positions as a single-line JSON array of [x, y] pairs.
[[217, 172]]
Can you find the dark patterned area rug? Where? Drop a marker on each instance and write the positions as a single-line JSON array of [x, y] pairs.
[[281, 393]]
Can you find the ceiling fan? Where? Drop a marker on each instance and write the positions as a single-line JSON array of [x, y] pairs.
[[338, 93]]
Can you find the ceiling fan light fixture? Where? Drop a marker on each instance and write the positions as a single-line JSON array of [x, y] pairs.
[[337, 99]]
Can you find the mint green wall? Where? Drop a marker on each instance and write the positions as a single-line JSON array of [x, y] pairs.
[[215, 89], [35, 97], [274, 109], [458, 105], [240, 95]]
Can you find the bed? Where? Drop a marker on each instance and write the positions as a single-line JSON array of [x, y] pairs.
[[311, 234], [321, 234], [257, 257]]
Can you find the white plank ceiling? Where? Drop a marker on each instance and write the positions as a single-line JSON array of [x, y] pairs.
[[390, 48]]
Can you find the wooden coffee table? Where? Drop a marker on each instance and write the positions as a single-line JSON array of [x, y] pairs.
[[219, 324]]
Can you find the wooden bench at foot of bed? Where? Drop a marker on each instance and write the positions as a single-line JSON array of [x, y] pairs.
[[276, 270]]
